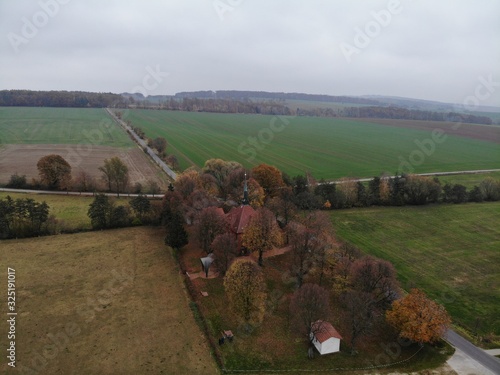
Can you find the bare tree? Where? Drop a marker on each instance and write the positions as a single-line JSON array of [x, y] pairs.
[[225, 249], [308, 305]]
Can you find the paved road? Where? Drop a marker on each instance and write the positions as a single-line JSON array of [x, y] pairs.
[[476, 171], [479, 355], [83, 193], [144, 146]]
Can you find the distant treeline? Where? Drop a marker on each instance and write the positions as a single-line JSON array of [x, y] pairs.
[[246, 95], [412, 114], [230, 101], [273, 107], [78, 99]]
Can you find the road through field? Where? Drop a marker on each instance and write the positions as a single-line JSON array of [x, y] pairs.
[[467, 349]]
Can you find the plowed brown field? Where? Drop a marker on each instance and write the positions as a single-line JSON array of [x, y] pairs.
[[22, 159]]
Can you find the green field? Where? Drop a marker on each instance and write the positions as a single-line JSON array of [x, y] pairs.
[[327, 147], [27, 125], [69, 210], [450, 251], [468, 180]]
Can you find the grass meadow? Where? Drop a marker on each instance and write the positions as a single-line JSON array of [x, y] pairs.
[[29, 125], [107, 302], [327, 147], [450, 251], [69, 210]]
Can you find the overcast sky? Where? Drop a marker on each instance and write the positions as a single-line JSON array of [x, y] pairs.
[[436, 50]]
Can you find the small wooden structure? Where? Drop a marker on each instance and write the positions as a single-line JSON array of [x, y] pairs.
[[325, 338]]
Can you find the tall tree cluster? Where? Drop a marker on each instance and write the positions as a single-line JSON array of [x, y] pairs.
[[23, 217]]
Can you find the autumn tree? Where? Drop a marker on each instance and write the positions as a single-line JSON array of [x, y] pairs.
[[307, 305], [490, 189], [172, 204], [115, 174], [220, 170], [84, 182], [172, 161], [360, 315], [187, 182], [54, 171], [376, 277], [283, 207], [307, 237], [269, 177], [225, 249], [177, 236], [346, 191], [418, 318], [262, 233], [211, 222], [160, 144], [345, 255], [245, 289]]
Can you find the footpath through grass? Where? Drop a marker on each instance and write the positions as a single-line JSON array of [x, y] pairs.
[[450, 251]]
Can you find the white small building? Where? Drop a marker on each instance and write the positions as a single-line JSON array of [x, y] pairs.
[[325, 338]]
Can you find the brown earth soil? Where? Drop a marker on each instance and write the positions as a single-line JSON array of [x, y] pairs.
[[482, 132], [22, 159]]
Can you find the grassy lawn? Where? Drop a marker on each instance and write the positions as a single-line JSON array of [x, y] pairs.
[[109, 302], [327, 147], [70, 211], [28, 125], [468, 180], [450, 251]]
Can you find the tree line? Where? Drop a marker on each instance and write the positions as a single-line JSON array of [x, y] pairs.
[[55, 173], [274, 107], [24, 217], [78, 99], [231, 102]]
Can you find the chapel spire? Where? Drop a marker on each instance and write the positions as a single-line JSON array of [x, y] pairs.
[[245, 201]]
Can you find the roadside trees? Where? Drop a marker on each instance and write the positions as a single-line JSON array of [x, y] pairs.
[[418, 318], [54, 171], [115, 174]]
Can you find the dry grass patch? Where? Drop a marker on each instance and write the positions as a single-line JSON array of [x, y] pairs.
[[112, 301]]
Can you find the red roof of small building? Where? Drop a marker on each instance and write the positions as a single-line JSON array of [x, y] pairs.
[[239, 217], [324, 331]]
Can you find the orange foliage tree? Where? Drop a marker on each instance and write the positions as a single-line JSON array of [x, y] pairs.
[[269, 177], [418, 318], [262, 233], [245, 289]]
